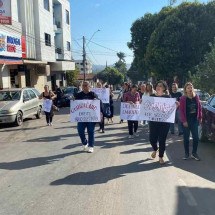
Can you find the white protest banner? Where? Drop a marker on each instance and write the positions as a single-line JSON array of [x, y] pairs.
[[158, 109], [47, 105], [129, 111], [85, 111], [103, 94]]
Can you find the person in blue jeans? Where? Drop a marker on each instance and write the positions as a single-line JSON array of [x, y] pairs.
[[191, 115], [175, 94], [86, 94]]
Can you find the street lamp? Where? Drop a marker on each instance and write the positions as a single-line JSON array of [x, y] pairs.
[[84, 52]]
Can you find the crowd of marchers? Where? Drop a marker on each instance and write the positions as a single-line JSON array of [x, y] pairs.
[[188, 115]]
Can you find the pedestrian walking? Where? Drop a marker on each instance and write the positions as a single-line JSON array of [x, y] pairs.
[[175, 94], [110, 119], [89, 95], [59, 93], [142, 90], [48, 97], [158, 130], [102, 123], [124, 90], [191, 115], [149, 90], [132, 97]]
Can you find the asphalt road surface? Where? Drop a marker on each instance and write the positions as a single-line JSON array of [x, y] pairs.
[[43, 171]]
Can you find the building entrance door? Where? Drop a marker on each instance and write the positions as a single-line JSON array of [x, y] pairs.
[[53, 81], [28, 78]]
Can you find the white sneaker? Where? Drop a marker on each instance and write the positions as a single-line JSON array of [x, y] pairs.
[[90, 150], [131, 137], [48, 124], [51, 124], [84, 147], [136, 135]]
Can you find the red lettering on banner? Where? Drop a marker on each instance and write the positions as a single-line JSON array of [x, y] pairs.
[[11, 48]]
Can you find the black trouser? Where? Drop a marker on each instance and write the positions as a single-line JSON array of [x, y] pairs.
[[49, 117], [158, 133], [132, 127], [102, 123], [111, 110]]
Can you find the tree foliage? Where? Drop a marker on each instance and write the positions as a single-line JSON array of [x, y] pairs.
[[120, 65], [71, 76], [205, 72], [173, 41], [111, 75]]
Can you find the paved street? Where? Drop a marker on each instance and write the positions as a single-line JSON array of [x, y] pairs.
[[43, 171]]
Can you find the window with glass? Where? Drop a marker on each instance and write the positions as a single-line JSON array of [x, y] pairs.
[[32, 94], [10, 95], [46, 4], [68, 46], [47, 39], [67, 17]]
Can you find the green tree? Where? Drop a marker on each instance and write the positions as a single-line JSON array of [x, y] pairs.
[[205, 72], [120, 65], [71, 76], [141, 31], [173, 41], [111, 75]]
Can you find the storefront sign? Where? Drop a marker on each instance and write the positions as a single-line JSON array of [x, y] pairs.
[[10, 45], [103, 94], [85, 111], [129, 111], [158, 109], [5, 12]]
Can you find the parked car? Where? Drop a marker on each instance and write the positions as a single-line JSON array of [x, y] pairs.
[[68, 94], [207, 131], [19, 103], [203, 96]]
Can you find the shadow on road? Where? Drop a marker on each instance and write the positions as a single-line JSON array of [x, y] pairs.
[[51, 138], [203, 168], [104, 175], [195, 200], [35, 162]]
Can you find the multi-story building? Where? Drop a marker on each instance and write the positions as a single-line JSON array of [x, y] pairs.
[[47, 32], [10, 51], [88, 66]]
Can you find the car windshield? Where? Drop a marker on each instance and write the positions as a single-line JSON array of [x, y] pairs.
[[69, 90], [10, 95]]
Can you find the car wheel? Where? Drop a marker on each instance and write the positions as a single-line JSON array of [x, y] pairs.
[[19, 118], [202, 134], [39, 113]]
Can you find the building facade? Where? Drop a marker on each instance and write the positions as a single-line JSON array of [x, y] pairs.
[[46, 46], [88, 66]]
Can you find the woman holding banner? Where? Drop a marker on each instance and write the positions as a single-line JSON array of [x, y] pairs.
[[132, 97], [86, 94], [48, 96], [191, 115], [158, 130]]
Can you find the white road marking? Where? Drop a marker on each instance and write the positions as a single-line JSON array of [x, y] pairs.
[[190, 199]]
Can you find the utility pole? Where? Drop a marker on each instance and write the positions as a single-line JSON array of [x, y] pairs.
[[84, 59]]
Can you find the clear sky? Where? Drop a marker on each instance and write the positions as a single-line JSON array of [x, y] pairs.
[[114, 19]]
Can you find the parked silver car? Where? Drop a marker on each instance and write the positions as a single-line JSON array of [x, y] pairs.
[[17, 104]]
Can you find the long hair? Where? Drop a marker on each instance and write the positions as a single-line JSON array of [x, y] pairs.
[[166, 90], [185, 87]]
